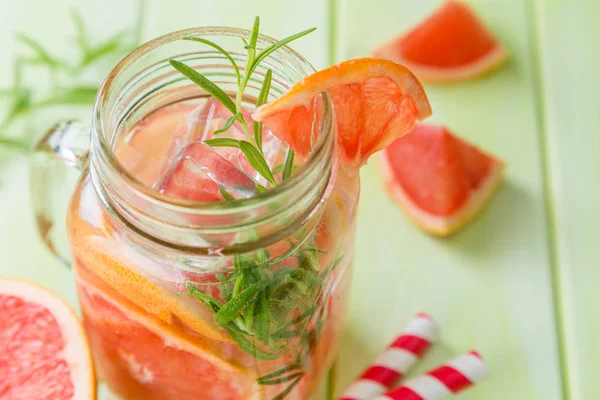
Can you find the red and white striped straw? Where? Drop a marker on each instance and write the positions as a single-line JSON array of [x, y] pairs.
[[449, 379], [397, 359]]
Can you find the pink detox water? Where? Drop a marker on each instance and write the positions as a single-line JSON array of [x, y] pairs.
[[149, 341]]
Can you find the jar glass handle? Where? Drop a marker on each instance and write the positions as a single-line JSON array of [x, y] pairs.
[[64, 147]]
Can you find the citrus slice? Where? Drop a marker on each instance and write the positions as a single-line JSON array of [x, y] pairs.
[[375, 101], [45, 353], [101, 256], [113, 262], [441, 181], [142, 358], [450, 45]]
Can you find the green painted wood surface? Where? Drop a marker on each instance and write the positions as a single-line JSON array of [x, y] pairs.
[[568, 33], [489, 285], [518, 284]]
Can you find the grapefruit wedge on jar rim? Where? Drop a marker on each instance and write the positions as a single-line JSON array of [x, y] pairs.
[[375, 102]]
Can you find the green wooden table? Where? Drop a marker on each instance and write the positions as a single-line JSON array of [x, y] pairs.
[[519, 284]]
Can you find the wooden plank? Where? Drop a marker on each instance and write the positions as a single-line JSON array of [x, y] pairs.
[[489, 285], [568, 33]]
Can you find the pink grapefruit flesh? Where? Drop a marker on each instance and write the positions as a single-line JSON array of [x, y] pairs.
[[44, 351], [441, 181], [450, 45], [375, 101]]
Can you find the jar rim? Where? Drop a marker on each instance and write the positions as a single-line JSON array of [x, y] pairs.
[[322, 146]]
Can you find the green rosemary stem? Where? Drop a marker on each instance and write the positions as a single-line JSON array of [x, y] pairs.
[[238, 107], [238, 102], [237, 286], [251, 47]]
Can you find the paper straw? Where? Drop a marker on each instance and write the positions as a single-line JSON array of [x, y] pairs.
[[451, 378], [397, 359]]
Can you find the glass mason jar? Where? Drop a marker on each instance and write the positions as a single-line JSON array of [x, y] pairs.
[[159, 279]]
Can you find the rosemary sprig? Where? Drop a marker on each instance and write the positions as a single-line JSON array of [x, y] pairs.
[[290, 387], [206, 84], [269, 310], [238, 303], [262, 99], [67, 88], [257, 160], [276, 381], [272, 312], [288, 165], [223, 142], [220, 50], [42, 56], [252, 147], [227, 125], [226, 195], [89, 52], [279, 372], [276, 46], [83, 95]]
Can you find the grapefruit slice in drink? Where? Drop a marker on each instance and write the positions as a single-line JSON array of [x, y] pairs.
[[375, 102], [450, 45], [110, 261], [45, 353], [146, 359], [441, 181]]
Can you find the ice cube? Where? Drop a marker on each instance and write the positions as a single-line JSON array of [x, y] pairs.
[[200, 173], [274, 150], [143, 149], [185, 124], [193, 126]]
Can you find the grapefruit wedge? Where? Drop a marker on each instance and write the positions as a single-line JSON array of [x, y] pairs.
[[441, 181], [44, 351], [450, 45], [375, 102]]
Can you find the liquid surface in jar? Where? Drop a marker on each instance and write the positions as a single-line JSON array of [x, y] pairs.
[[166, 150]]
